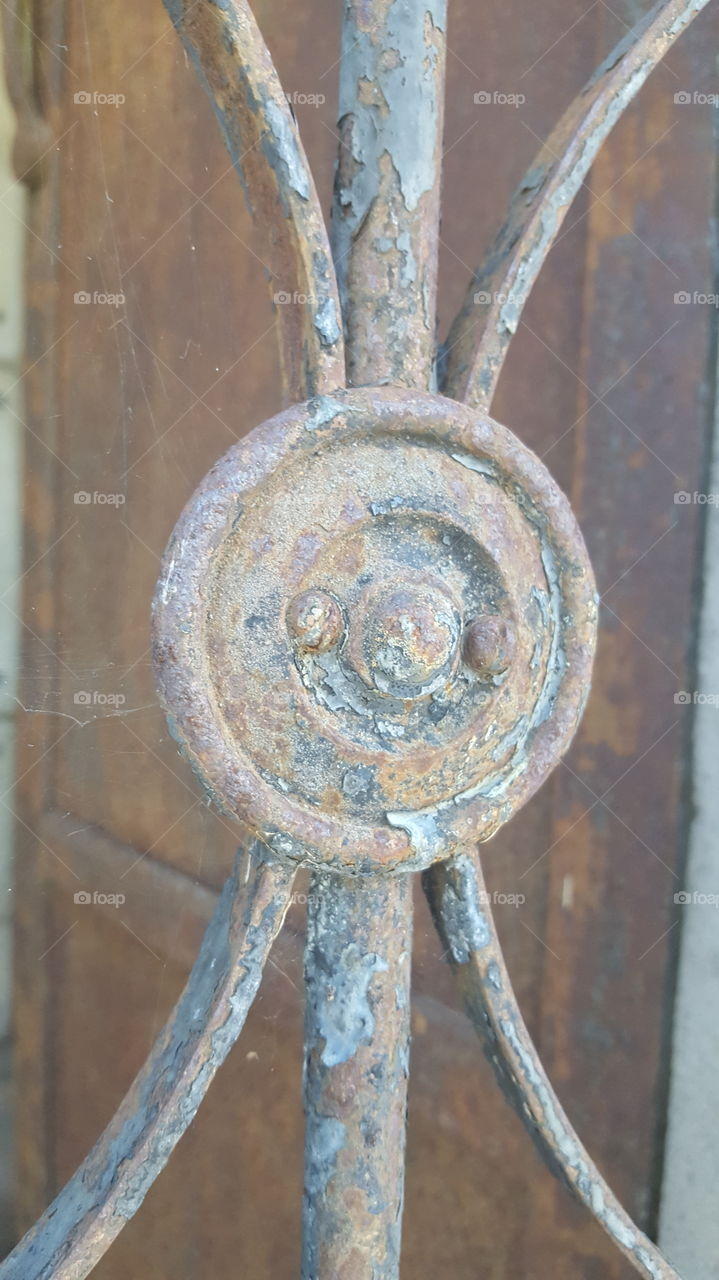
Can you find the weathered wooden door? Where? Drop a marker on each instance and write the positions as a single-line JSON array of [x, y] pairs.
[[152, 347]]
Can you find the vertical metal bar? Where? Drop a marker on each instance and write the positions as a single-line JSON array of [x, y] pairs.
[[357, 973], [385, 234], [385, 218]]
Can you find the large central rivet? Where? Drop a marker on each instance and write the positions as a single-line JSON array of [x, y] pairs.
[[410, 639]]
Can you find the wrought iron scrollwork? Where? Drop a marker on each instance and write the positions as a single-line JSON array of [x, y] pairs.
[[373, 634]]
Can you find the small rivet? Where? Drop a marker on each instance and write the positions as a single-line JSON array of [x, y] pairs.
[[315, 621], [489, 644]]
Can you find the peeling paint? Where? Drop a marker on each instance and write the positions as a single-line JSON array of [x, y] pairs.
[[345, 1020], [357, 970], [323, 410], [327, 324], [284, 139]]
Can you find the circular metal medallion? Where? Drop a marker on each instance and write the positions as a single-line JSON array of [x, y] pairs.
[[374, 629]]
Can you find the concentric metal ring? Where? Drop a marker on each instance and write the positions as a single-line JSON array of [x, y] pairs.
[[374, 629]]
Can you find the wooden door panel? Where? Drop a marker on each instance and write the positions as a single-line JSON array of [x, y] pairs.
[[137, 400], [147, 374]]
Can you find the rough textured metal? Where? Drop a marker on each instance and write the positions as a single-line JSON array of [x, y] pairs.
[[234, 65], [399, 645], [109, 1187], [415, 516], [357, 971], [385, 218], [374, 630], [480, 335], [459, 902]]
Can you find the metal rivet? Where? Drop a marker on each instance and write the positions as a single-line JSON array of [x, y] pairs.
[[489, 644], [411, 639], [315, 621]]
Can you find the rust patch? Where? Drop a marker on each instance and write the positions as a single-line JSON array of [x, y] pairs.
[[400, 664]]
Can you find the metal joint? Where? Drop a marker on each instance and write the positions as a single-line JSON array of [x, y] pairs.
[[373, 635]]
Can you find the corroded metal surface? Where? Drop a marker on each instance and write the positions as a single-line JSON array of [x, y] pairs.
[[397, 646], [373, 632], [234, 65], [108, 1189], [480, 336], [385, 217], [357, 971], [459, 902], [373, 677], [416, 518]]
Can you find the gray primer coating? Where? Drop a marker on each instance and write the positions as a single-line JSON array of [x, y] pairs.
[[344, 1019], [409, 93], [284, 146], [356, 1068], [465, 923]]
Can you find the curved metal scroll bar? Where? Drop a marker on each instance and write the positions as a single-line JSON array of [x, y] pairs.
[[457, 897], [109, 1187], [479, 338], [234, 65]]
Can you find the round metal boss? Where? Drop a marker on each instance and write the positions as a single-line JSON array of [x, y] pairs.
[[374, 628]]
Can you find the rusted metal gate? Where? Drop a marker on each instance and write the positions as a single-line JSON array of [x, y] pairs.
[[374, 632]]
